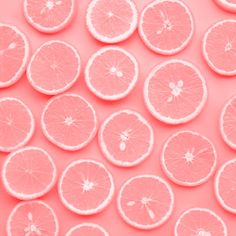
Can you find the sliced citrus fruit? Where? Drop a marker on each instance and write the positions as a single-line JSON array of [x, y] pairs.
[[126, 138], [175, 92], [32, 218], [200, 222], [166, 26], [86, 187], [49, 16], [188, 158], [16, 123], [69, 121], [111, 21], [145, 201], [219, 47], [28, 173], [111, 73], [228, 5], [54, 67], [14, 54]]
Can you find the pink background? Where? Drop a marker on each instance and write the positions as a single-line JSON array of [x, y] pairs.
[[220, 89]]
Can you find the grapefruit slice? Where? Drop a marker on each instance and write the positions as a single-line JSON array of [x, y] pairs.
[[69, 121], [126, 138], [145, 201], [49, 16], [111, 73], [14, 54], [166, 26], [219, 51], [29, 173], [86, 187], [16, 123], [188, 158], [32, 218], [227, 5], [54, 67], [111, 22], [175, 92], [200, 222]]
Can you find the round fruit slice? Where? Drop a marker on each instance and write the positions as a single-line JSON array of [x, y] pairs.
[[32, 218], [14, 54], [111, 73], [86, 187], [219, 52], [188, 158], [29, 173], [166, 26], [112, 22], [87, 229], [175, 92], [69, 121], [126, 138], [54, 67], [228, 5], [16, 123], [225, 186], [200, 222], [49, 16], [145, 201]]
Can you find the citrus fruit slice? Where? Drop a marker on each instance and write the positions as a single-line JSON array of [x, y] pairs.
[[225, 186], [69, 121], [175, 92], [200, 222], [111, 21], [49, 16], [145, 201], [16, 123], [32, 218], [28, 173], [88, 229], [126, 138], [219, 52], [228, 5], [14, 54], [166, 26], [86, 187], [54, 67], [188, 158], [111, 73]]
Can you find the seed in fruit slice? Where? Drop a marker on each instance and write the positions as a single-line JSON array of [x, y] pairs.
[[200, 222], [111, 73], [188, 158], [111, 21], [227, 5], [28, 173], [14, 54], [166, 26], [54, 67], [86, 187], [145, 201], [32, 218], [49, 16], [175, 92], [69, 121], [126, 138], [219, 47], [16, 123]]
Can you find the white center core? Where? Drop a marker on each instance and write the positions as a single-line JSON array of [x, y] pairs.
[[69, 121], [202, 232], [228, 47], [188, 156], [116, 72], [87, 185], [50, 5]]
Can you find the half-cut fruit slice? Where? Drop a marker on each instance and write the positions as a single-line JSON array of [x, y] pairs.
[[145, 201], [227, 5], [111, 73], [69, 121], [175, 92], [14, 54], [86, 187], [126, 138], [32, 218], [54, 67], [111, 21]]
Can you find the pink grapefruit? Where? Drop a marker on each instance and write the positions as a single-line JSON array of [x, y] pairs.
[[228, 5]]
